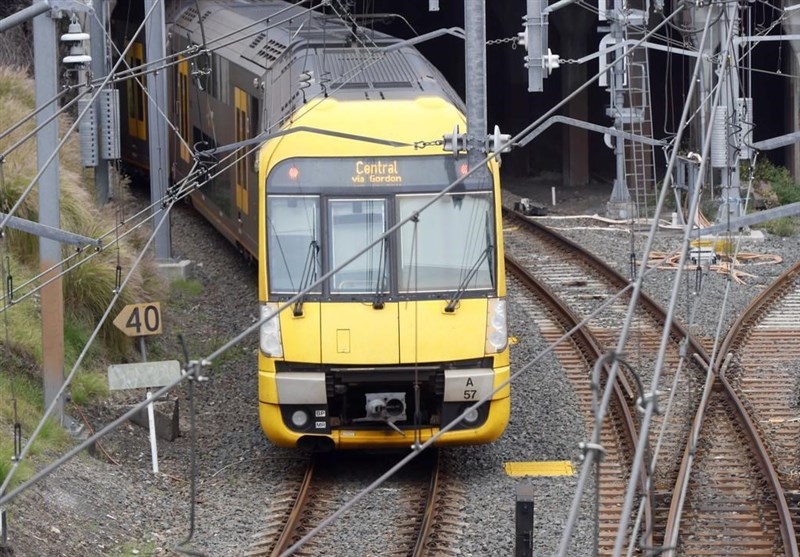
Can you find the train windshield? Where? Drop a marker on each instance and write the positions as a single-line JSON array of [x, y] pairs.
[[293, 242], [451, 246], [355, 224]]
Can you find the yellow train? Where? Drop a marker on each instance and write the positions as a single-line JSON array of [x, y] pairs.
[[398, 343]]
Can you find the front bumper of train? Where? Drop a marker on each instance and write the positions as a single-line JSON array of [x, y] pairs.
[[274, 419]]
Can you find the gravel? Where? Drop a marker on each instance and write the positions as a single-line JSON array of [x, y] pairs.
[[94, 507]]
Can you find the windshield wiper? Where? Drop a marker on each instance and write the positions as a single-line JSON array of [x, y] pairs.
[[309, 274], [378, 303], [453, 302]]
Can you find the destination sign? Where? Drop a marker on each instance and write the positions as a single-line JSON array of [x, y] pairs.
[[380, 172], [309, 174]]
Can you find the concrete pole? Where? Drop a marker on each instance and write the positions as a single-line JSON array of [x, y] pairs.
[[475, 79], [46, 70], [620, 205], [156, 126], [99, 70]]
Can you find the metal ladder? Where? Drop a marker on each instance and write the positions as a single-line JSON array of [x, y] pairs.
[[640, 172]]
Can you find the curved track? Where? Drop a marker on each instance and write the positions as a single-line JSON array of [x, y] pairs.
[[578, 355], [763, 347], [584, 283]]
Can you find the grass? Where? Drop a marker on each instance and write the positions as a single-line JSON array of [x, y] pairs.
[[27, 391], [783, 227], [786, 191], [88, 387], [88, 288], [188, 288]]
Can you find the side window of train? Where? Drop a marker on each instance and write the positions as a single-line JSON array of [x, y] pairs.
[[137, 108]]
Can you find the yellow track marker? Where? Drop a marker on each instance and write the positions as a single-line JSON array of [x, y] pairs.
[[542, 468]]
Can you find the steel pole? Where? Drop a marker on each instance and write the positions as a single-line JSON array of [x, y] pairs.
[[156, 126], [99, 71], [52, 302], [475, 79], [731, 201], [619, 206]]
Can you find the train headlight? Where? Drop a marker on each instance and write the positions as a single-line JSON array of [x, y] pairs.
[[299, 419], [471, 417], [496, 326], [270, 333]]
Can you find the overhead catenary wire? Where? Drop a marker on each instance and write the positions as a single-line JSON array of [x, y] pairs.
[[650, 407], [637, 286], [144, 89], [35, 130], [68, 379], [182, 192], [194, 51], [238, 338], [34, 112], [89, 106]]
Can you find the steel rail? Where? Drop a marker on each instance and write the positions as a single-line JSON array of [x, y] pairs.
[[589, 346], [678, 333], [746, 320], [293, 522], [428, 516], [677, 330], [266, 543]]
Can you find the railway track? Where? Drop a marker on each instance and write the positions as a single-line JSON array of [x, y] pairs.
[[760, 380], [583, 282], [578, 355], [428, 508]]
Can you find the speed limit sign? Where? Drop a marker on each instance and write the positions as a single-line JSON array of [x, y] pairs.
[[136, 320]]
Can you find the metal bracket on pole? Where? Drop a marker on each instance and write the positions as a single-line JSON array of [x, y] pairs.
[[49, 232], [534, 38], [588, 126], [39, 8], [71, 6]]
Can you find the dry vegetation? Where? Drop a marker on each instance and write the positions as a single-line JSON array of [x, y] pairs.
[[88, 289]]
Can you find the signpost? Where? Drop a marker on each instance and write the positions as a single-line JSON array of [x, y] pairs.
[[140, 320]]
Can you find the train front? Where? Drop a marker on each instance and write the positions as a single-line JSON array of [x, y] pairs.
[[397, 341]]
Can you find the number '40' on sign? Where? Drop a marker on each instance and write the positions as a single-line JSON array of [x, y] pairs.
[[137, 320]]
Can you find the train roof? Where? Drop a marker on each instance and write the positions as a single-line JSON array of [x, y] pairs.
[[269, 38]]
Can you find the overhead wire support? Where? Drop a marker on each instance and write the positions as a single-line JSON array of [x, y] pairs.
[[648, 414], [50, 409], [637, 287], [71, 129], [5, 498]]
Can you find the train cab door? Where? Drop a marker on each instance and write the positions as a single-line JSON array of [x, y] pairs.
[[137, 107], [247, 229], [357, 326], [183, 113]]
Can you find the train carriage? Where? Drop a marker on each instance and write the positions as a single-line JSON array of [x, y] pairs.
[[398, 343]]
